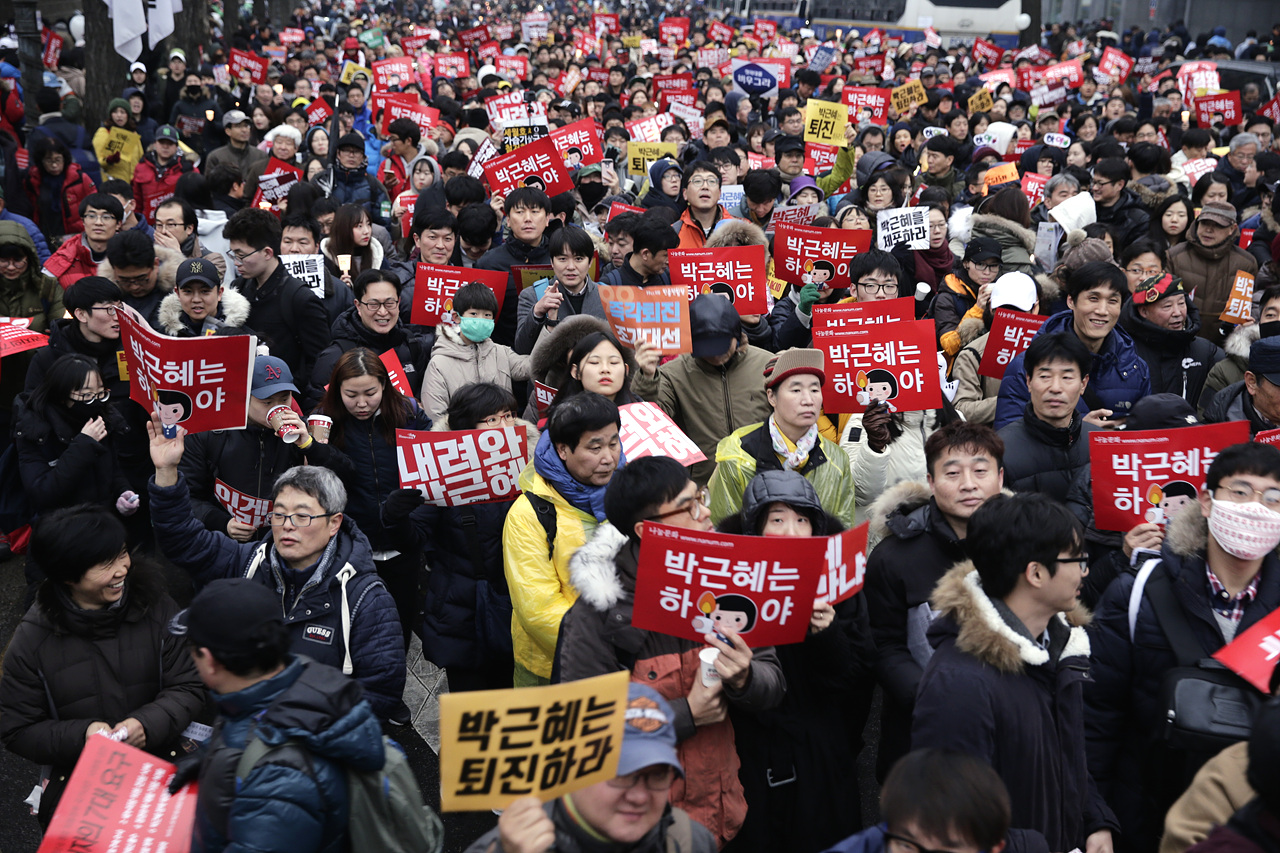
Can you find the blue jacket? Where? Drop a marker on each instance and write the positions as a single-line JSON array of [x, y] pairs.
[[37, 236], [1118, 378], [281, 805], [315, 619]]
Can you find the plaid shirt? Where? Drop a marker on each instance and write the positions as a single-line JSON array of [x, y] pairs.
[[1222, 601]]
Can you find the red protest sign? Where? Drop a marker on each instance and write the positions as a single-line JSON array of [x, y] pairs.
[[434, 286], [735, 272], [1116, 64], [394, 71], [1033, 187], [1148, 476], [242, 60], [378, 101], [676, 29], [578, 143], [690, 583], [868, 66], [1198, 168], [318, 112], [452, 65], [1252, 654], [1071, 73], [506, 108], [987, 53], [536, 164], [720, 32], [292, 35], [474, 37], [15, 337], [423, 116], [650, 129], [543, 396], [893, 362], [855, 315], [513, 67], [1011, 334], [618, 207], [395, 371], [489, 51], [819, 158], [1226, 104], [866, 104], [845, 565], [277, 179], [117, 799], [202, 383], [649, 431], [607, 23], [765, 30], [672, 82], [52, 52], [1271, 109], [413, 44], [657, 315], [804, 254], [243, 508], [462, 467]]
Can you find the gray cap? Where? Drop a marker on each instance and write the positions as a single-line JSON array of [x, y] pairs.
[[234, 117]]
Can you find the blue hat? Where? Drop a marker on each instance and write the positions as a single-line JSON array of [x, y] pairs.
[[169, 132], [648, 731], [271, 376]]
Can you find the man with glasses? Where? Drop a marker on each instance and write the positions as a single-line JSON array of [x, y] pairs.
[[632, 811], [1010, 660], [403, 137], [1217, 575], [596, 637], [144, 273], [1118, 206], [80, 254], [316, 563], [702, 195]]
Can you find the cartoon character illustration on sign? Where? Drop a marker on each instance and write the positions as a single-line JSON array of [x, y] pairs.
[[536, 182], [735, 612], [819, 273], [172, 407], [1168, 500], [878, 384], [573, 157], [722, 288]]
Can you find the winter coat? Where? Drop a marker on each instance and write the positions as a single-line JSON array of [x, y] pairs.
[[541, 589], [456, 362], [1235, 403], [376, 254], [1125, 707], [60, 466], [248, 159], [976, 395], [530, 330], [128, 157], [353, 186], [412, 345], [72, 261], [512, 253], [748, 450], [952, 183], [76, 187], [1229, 370], [153, 182], [708, 402], [1179, 361], [233, 311], [597, 637], [166, 277], [67, 668], [1118, 377], [791, 326], [991, 691], [1043, 458], [571, 838], [32, 295], [315, 618], [33, 231], [1016, 243], [288, 802], [956, 301], [1253, 829], [1128, 219], [1218, 791], [287, 317], [1209, 274], [902, 459]]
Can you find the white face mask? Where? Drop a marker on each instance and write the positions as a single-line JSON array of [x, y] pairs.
[[1246, 531]]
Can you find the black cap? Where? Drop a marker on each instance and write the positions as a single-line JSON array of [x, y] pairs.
[[1264, 359], [1161, 411], [982, 249], [197, 271], [787, 143], [351, 140], [714, 325], [229, 616]]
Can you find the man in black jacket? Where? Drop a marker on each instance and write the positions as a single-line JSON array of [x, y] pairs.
[[1256, 398], [1046, 448], [1118, 207], [527, 211], [920, 531], [1165, 328]]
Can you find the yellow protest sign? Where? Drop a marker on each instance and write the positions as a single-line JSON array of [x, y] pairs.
[[118, 138], [498, 745], [631, 41], [980, 101], [351, 69], [640, 153], [1240, 302], [824, 122], [907, 95]]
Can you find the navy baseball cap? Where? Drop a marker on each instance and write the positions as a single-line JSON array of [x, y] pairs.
[[648, 731], [229, 616], [1264, 359], [197, 271], [271, 376], [169, 132]]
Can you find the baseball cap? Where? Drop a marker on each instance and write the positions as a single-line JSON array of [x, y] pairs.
[[169, 132], [648, 731], [230, 616], [271, 376], [789, 362], [1014, 290], [714, 324], [1160, 411], [197, 270], [1220, 212], [178, 53], [982, 249], [136, 66], [1264, 359], [234, 117], [1158, 287], [787, 143]]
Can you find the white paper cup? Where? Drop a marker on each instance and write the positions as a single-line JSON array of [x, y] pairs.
[[320, 426], [710, 675]]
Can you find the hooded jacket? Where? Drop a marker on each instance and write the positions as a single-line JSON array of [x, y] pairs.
[[1125, 701], [1209, 273], [233, 310], [1016, 243], [76, 187], [1042, 458], [353, 186], [295, 799], [412, 345], [1118, 377], [166, 277], [60, 466], [597, 637], [32, 295], [456, 362], [991, 691], [1229, 370], [1179, 360], [655, 197], [1235, 403], [153, 183], [1127, 218], [956, 300]]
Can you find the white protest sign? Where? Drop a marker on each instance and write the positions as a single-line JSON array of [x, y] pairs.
[[903, 225]]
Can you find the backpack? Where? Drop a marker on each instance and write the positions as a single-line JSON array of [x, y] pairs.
[[545, 510], [386, 811]]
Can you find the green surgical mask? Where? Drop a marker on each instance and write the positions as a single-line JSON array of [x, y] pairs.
[[476, 329]]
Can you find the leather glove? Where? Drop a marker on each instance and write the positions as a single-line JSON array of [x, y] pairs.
[[876, 423], [809, 296], [399, 504], [187, 768]]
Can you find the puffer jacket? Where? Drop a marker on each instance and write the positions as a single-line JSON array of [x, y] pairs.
[[353, 186], [1016, 243], [597, 637], [76, 187], [1235, 403], [288, 317], [1125, 707], [412, 345], [1128, 219], [233, 311], [32, 295], [511, 253], [154, 182], [67, 668], [60, 466], [792, 327], [993, 692], [1229, 370], [314, 619], [1209, 274], [1043, 458], [294, 799], [72, 261], [541, 589], [1180, 360], [902, 458], [748, 451], [166, 278], [708, 402], [956, 301], [1118, 377], [456, 362]]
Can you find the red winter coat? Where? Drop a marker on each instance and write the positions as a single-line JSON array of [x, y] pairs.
[[153, 183], [72, 262], [76, 187]]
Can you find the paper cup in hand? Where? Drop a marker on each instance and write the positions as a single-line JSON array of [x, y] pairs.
[[344, 263], [320, 425], [275, 419], [710, 675]]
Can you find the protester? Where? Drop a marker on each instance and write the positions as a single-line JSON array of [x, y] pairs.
[[1164, 325], [200, 305], [1256, 397], [1209, 260]]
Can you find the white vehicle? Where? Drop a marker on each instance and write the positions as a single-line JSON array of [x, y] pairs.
[[959, 20]]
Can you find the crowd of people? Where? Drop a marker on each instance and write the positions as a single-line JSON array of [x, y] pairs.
[[1011, 718]]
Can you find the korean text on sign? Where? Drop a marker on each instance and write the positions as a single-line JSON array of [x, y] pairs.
[[907, 226], [537, 164], [690, 582], [434, 286], [1011, 334], [854, 315], [803, 254], [845, 565], [893, 363], [649, 431], [463, 467], [308, 269], [735, 272], [658, 316], [1148, 476], [1253, 654], [824, 122], [243, 508], [497, 745]]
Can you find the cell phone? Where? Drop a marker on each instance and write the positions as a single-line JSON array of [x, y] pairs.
[[540, 288], [607, 171]]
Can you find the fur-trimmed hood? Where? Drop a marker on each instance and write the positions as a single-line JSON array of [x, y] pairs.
[[1187, 533], [904, 497], [1269, 220], [594, 570], [1239, 342], [984, 634], [166, 278], [1151, 190], [377, 253], [737, 232], [550, 354], [233, 310], [987, 223]]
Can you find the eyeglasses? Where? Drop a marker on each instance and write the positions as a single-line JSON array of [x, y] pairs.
[[297, 519], [699, 183], [110, 309], [906, 845], [1096, 184], [500, 419], [655, 779], [13, 262], [1240, 493], [1083, 562], [169, 223], [133, 279], [98, 217], [86, 397], [385, 305], [241, 257], [985, 267], [1144, 272], [879, 286], [697, 508]]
